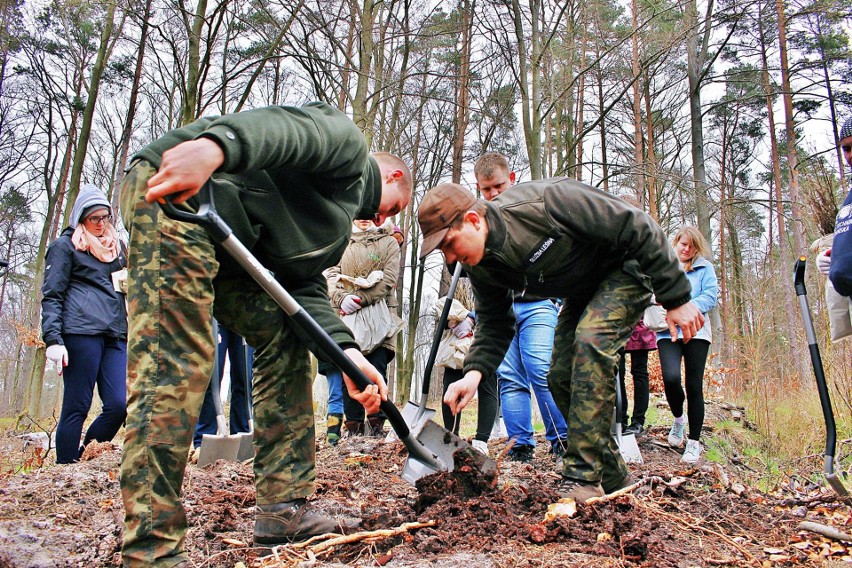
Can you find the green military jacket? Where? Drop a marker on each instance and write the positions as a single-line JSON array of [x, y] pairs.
[[293, 180], [560, 238]]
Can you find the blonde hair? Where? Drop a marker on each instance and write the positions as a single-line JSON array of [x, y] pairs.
[[696, 241]]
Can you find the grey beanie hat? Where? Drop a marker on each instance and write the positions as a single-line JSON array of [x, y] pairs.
[[89, 199], [846, 130]]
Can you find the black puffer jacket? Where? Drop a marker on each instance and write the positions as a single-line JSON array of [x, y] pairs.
[[79, 297]]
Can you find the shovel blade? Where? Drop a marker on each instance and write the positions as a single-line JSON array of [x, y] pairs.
[[215, 447], [838, 487], [443, 444], [629, 449], [409, 413], [246, 449]]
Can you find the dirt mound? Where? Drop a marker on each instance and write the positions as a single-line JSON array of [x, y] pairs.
[[71, 515]]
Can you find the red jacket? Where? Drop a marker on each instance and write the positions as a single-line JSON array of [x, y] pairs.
[[641, 339]]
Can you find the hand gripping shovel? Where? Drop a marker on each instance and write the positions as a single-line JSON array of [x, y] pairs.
[[414, 413], [822, 388], [432, 449], [221, 445]]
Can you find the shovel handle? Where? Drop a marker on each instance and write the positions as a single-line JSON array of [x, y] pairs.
[[816, 361]]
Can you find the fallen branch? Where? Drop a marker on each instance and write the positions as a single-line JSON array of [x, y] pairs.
[[359, 536], [824, 530], [615, 494]]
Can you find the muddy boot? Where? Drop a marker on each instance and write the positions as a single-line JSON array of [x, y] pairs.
[[579, 490], [333, 423], [354, 427], [293, 521], [377, 426]]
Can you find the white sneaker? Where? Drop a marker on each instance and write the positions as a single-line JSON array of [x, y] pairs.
[[676, 434], [692, 451], [480, 446]]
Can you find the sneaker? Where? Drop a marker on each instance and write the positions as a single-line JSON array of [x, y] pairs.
[[522, 453], [579, 491], [692, 451], [480, 446], [676, 434], [636, 429]]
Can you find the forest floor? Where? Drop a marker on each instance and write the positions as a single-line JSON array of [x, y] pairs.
[[708, 515]]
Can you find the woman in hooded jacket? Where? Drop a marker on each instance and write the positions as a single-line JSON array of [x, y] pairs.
[[84, 323]]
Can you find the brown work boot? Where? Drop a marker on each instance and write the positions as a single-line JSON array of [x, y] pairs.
[[377, 426], [294, 521], [578, 490], [628, 480], [354, 427]]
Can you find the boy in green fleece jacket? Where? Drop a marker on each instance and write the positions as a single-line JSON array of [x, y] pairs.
[[289, 182], [561, 238]]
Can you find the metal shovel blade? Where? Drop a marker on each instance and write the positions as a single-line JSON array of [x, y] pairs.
[[627, 446], [443, 444], [409, 413], [215, 447], [246, 449]]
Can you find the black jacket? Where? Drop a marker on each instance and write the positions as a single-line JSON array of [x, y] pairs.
[[79, 297]]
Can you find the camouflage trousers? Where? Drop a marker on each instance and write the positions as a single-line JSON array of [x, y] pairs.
[[172, 287], [589, 333]]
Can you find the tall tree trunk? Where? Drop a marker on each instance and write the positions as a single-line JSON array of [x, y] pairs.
[[774, 157], [127, 131], [695, 60], [638, 169], [89, 112], [651, 167], [797, 225], [365, 69], [463, 82], [792, 155], [530, 83], [602, 113], [193, 71]]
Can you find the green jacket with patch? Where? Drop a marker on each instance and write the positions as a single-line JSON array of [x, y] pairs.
[[560, 238], [293, 180]]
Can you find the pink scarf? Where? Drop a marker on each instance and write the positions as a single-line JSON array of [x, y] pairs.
[[104, 248]]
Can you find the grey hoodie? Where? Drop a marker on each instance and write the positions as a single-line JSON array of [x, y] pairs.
[[89, 196]]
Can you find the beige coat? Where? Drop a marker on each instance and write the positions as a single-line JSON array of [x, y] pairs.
[[368, 251]]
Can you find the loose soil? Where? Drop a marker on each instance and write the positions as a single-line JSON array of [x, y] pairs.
[[71, 515]]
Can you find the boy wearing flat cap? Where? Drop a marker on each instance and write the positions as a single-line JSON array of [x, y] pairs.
[[561, 238]]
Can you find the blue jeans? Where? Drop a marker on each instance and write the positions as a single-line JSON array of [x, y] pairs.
[[92, 360], [335, 391], [524, 370], [232, 345]]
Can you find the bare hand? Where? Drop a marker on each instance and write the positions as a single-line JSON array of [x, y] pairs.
[[688, 317], [371, 397], [184, 169], [461, 392]]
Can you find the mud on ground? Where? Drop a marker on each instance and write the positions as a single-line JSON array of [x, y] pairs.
[[70, 515]]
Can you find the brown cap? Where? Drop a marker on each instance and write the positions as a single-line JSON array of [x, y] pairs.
[[440, 207]]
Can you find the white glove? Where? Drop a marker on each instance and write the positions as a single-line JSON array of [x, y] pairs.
[[464, 328], [59, 355], [350, 304], [823, 261]]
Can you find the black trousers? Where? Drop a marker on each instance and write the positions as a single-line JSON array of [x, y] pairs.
[[487, 411]]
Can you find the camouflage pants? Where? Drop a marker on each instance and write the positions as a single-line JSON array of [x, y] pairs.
[[589, 333], [171, 293]]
